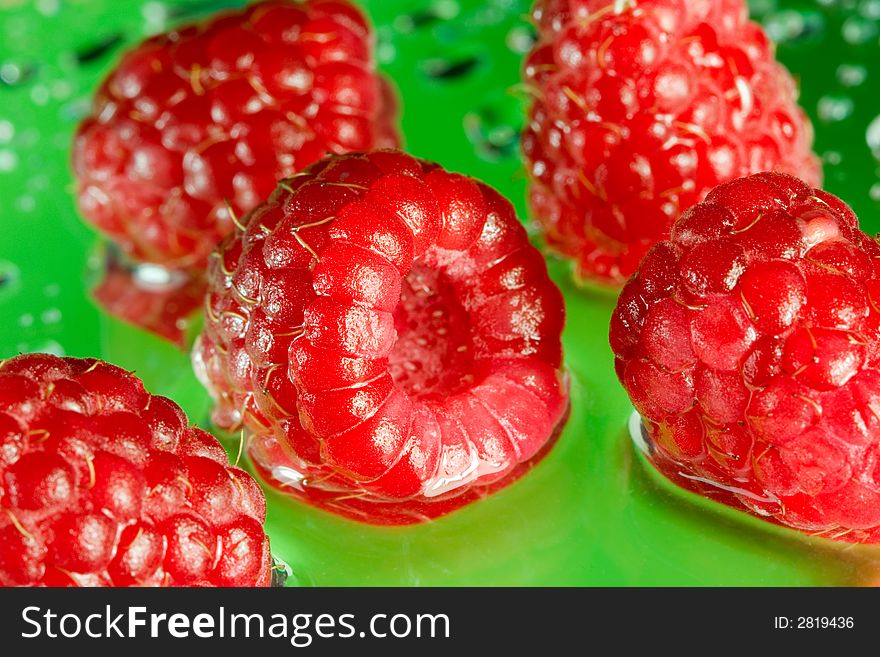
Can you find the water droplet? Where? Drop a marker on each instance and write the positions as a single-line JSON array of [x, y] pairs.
[[520, 39], [8, 160], [61, 89], [10, 74], [790, 25], [874, 192], [155, 15], [40, 94], [25, 203], [38, 183], [870, 9], [385, 51], [76, 109], [856, 30], [157, 277], [758, 8], [51, 316], [832, 157], [46, 347], [29, 137], [404, 23], [851, 75], [52, 290], [835, 108], [7, 131], [873, 136], [446, 9], [48, 7], [26, 320]]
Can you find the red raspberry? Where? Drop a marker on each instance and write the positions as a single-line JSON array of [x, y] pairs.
[[388, 337], [103, 484], [194, 127], [641, 108], [749, 342]]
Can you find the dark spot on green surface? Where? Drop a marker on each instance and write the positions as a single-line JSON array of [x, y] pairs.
[[423, 18], [9, 279], [495, 128], [449, 69], [98, 49]]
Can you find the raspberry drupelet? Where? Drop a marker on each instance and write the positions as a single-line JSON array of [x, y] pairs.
[[193, 128], [749, 343], [640, 108], [103, 484], [388, 338]]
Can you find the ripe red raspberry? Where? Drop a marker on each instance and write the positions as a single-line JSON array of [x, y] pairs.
[[641, 108], [388, 337], [194, 127], [749, 342], [103, 484]]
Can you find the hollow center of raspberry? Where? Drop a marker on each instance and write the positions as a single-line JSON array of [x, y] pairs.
[[433, 356]]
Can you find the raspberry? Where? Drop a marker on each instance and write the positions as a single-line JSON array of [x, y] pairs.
[[749, 342], [641, 108], [194, 127], [103, 484], [388, 338]]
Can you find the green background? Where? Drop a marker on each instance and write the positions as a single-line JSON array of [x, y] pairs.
[[591, 513]]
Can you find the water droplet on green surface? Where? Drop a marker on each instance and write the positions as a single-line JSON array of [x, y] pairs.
[[446, 9], [873, 136], [38, 183], [25, 203], [51, 316], [40, 95], [832, 157], [42, 346], [385, 51], [851, 75], [789, 25], [7, 131], [29, 137], [61, 89], [857, 30], [758, 8], [155, 15], [48, 7], [870, 9], [8, 161], [835, 108], [10, 74], [520, 39]]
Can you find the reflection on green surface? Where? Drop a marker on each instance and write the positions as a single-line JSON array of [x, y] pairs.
[[590, 513]]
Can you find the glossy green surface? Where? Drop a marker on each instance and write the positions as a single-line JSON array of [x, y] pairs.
[[591, 513]]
